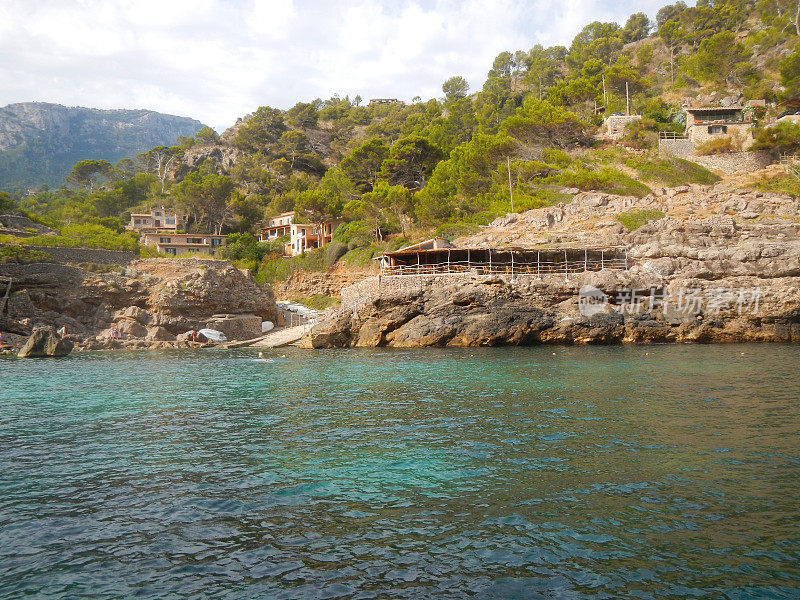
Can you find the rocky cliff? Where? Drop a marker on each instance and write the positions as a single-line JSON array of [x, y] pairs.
[[723, 265], [149, 301], [40, 142]]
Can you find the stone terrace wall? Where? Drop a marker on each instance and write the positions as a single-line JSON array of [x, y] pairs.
[[734, 162], [86, 255]]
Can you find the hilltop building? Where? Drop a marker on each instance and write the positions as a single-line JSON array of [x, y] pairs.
[[707, 123], [174, 244], [302, 236], [160, 228], [157, 219]]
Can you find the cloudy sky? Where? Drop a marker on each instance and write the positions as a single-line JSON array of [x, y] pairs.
[[216, 60]]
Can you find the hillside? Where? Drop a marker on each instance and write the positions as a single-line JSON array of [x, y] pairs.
[[40, 142]]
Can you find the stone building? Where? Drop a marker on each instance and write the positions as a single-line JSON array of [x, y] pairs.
[[174, 244], [302, 236], [714, 122], [614, 125], [157, 219]]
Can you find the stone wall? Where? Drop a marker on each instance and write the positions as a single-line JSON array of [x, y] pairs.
[[734, 162], [614, 126], [86, 255], [681, 148]]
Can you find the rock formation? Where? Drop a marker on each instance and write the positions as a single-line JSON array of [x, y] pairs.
[[148, 303], [44, 341], [722, 265]]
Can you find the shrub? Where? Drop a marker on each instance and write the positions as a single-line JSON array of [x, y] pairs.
[[20, 254], [333, 252], [80, 236], [640, 134], [783, 183], [318, 301], [633, 219], [605, 179], [720, 145], [672, 172]]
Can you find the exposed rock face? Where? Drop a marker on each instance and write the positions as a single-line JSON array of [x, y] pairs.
[[153, 299], [44, 341], [40, 142], [722, 266]]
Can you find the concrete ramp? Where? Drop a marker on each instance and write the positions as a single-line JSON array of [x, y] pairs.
[[281, 337]]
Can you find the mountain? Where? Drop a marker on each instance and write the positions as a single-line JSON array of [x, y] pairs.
[[40, 142]]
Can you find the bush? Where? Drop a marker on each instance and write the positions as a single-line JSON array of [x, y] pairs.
[[333, 252], [450, 231], [720, 145], [20, 254], [605, 179], [641, 134], [318, 301], [633, 219], [783, 183], [783, 138], [80, 236], [672, 172]]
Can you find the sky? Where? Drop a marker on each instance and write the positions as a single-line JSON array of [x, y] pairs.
[[217, 60]]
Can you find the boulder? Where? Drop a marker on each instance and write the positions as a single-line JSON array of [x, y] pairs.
[[128, 328], [159, 334], [236, 327], [44, 341]]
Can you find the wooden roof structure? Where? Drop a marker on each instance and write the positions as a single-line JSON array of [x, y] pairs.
[[419, 260]]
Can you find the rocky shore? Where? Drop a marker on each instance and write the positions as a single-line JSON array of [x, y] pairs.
[[722, 265], [151, 303]]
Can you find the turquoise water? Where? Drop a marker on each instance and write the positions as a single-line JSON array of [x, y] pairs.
[[603, 472]]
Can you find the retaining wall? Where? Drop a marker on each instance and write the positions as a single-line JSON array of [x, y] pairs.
[[85, 255]]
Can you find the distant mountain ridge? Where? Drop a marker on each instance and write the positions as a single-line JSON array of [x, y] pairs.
[[40, 141]]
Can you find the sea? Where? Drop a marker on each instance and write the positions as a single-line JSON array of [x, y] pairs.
[[647, 472]]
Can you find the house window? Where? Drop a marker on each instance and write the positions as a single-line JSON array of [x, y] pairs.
[[194, 240], [717, 129], [171, 251], [164, 240], [216, 241], [171, 221]]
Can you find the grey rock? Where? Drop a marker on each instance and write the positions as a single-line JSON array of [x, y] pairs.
[[44, 342]]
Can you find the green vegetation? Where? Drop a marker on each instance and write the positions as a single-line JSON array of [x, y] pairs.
[[318, 301], [788, 183], [20, 254], [397, 173], [671, 172], [720, 145], [83, 236], [633, 219]]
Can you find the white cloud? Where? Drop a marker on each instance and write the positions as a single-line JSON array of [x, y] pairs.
[[216, 60]]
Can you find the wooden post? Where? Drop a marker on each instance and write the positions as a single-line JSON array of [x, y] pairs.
[[627, 100], [490, 261], [602, 260], [510, 192], [566, 260], [538, 266], [512, 264], [417, 263], [585, 259], [448, 260], [469, 262]]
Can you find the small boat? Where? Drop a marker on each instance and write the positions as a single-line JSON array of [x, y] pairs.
[[213, 335]]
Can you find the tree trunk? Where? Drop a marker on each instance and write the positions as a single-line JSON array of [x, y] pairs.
[[797, 18]]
